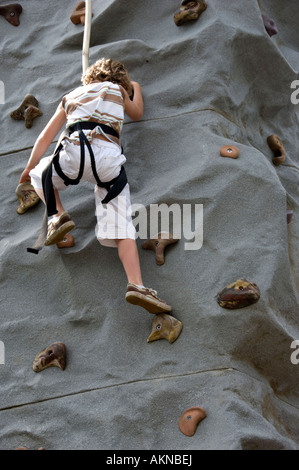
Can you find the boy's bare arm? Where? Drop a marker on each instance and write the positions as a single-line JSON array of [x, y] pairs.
[[43, 141], [134, 108]]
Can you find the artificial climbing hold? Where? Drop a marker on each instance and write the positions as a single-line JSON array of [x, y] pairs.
[[190, 419], [276, 145], [270, 25], [229, 151], [27, 196], [27, 111], [164, 326], [11, 13], [31, 113], [239, 294], [78, 14], [26, 448], [67, 242], [289, 216], [19, 113], [52, 356], [189, 11], [158, 244]]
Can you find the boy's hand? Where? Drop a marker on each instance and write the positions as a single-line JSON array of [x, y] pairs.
[[25, 178]]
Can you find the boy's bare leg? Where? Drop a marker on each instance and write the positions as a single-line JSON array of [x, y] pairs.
[[136, 293], [128, 254], [59, 205]]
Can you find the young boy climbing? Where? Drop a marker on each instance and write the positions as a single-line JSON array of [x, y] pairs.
[[90, 151]]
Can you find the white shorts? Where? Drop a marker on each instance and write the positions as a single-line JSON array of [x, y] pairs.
[[114, 220]]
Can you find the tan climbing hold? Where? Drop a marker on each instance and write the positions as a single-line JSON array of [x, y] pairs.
[[190, 419], [52, 356], [11, 13], [165, 326], [229, 151], [277, 147], [27, 196], [158, 244], [189, 11], [67, 242], [27, 111], [26, 448], [78, 14]]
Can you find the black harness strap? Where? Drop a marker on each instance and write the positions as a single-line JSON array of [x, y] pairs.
[[113, 187], [49, 190]]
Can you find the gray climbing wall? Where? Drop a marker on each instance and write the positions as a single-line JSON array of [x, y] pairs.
[[219, 80]]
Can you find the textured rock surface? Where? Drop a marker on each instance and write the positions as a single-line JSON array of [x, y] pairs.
[[220, 80]]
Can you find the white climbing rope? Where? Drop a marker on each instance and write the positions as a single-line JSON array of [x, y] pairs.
[[86, 36]]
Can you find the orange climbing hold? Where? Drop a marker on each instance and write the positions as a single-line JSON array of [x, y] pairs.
[[190, 419], [229, 151]]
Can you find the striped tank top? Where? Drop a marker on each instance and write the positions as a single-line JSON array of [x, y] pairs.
[[100, 102]]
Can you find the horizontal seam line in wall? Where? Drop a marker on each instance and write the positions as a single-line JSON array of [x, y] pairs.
[[161, 118], [166, 377]]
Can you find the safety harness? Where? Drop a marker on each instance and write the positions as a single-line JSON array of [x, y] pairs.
[[113, 187]]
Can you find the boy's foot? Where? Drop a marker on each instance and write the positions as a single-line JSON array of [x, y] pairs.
[[146, 298], [58, 228]]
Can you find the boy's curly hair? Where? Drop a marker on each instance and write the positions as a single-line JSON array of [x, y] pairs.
[[108, 70]]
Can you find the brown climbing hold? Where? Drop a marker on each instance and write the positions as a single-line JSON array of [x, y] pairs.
[[27, 111], [11, 13], [229, 151], [276, 145], [19, 113], [31, 113], [239, 294], [52, 356], [158, 244], [67, 242], [189, 11], [190, 419], [78, 14], [27, 196], [164, 326]]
